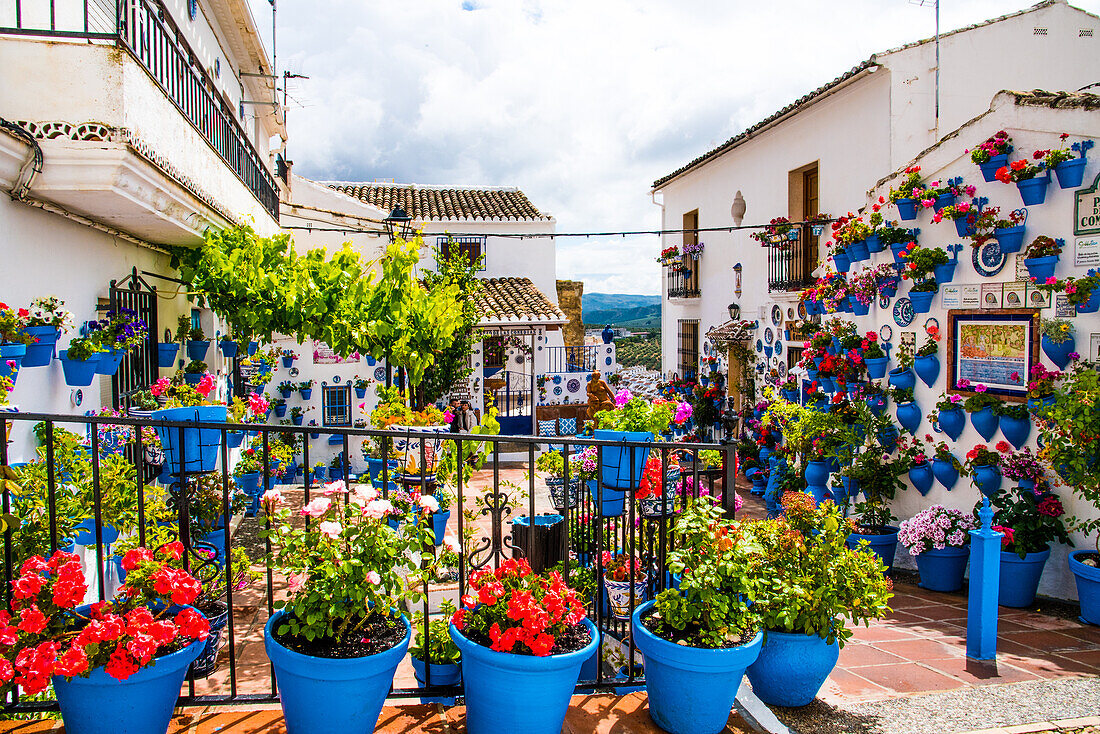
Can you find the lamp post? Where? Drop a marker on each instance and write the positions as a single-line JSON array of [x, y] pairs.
[[398, 224]]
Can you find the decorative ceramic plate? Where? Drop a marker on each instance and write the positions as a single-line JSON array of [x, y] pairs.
[[379, 374], [760, 345], [778, 347], [782, 369], [769, 335], [930, 322], [777, 314], [557, 379], [294, 372], [886, 333], [802, 311], [903, 312], [790, 313], [988, 259]]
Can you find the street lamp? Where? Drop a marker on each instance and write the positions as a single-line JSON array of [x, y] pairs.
[[735, 312], [398, 224]]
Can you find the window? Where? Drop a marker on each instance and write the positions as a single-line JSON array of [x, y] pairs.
[[791, 263], [472, 247], [493, 349], [688, 361], [336, 405], [196, 319]]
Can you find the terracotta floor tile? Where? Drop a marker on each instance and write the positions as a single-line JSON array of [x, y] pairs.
[[855, 654], [979, 672], [940, 612], [1087, 657], [908, 602], [846, 685], [907, 678], [882, 633], [1053, 666], [901, 617], [919, 649], [1048, 640], [934, 628], [603, 714], [1042, 621], [1091, 634]]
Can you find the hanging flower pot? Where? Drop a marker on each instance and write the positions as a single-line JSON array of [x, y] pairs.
[[858, 251], [234, 439], [944, 273], [987, 479], [1011, 239], [622, 466], [306, 393], [207, 660], [860, 309], [877, 404], [963, 227], [1088, 586], [942, 569], [985, 422], [297, 419], [1041, 268], [1058, 352], [907, 209], [1071, 173], [200, 447], [1093, 304], [927, 368], [1039, 406], [280, 410], [921, 477], [609, 501], [888, 439], [842, 262], [166, 355], [943, 200], [78, 373], [1020, 578], [1033, 191], [902, 378], [1015, 430], [109, 361], [945, 473], [888, 286], [40, 353], [792, 667], [990, 167], [817, 473], [875, 243], [197, 349], [876, 367], [15, 354], [558, 495], [253, 347], [909, 416], [952, 422], [921, 300], [826, 384], [896, 249], [228, 347]]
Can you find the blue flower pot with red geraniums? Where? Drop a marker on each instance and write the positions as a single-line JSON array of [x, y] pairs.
[[858, 251], [945, 473], [141, 704], [994, 164], [609, 501], [909, 416], [987, 479], [1041, 268], [875, 243], [1088, 586], [109, 361], [921, 300], [1011, 239], [985, 422], [884, 545], [1093, 304], [166, 355], [921, 477], [1033, 191], [1020, 578], [897, 249], [942, 569], [826, 384], [952, 422], [927, 368], [78, 373], [1015, 430], [962, 227], [792, 667], [842, 262], [691, 690], [197, 349], [876, 367], [1070, 173], [40, 353], [944, 273], [907, 209], [943, 200], [353, 689], [1059, 352], [505, 691]]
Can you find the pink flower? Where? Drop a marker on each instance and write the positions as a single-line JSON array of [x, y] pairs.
[[295, 581], [429, 503], [448, 417], [337, 487], [1074, 356], [330, 529], [980, 388], [158, 387], [450, 542], [1052, 280], [373, 578], [272, 497], [928, 203], [378, 509], [257, 405], [363, 494], [963, 384], [683, 412], [205, 386], [1014, 376], [317, 506], [622, 397], [1071, 288]]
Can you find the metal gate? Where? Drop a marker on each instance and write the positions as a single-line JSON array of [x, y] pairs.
[[138, 369]]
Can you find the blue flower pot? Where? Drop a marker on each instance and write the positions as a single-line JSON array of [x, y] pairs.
[[884, 546], [791, 668], [952, 422], [849, 487], [1011, 239], [537, 688], [909, 416], [228, 347], [888, 286], [200, 447], [1040, 406], [297, 419], [253, 347], [616, 469], [987, 479], [335, 473], [109, 361], [875, 243], [859, 309], [306, 393], [1070, 173], [876, 367], [84, 533], [888, 439], [1025, 483], [141, 704], [440, 520], [985, 422], [817, 473], [360, 392], [907, 209], [196, 350], [945, 473], [877, 404], [234, 439], [818, 491], [1093, 304], [827, 384], [944, 273], [288, 362], [192, 378], [1041, 268], [990, 167], [14, 353], [842, 262], [942, 201], [921, 477], [962, 227], [1088, 587], [896, 249], [1020, 578], [1058, 352], [1033, 191], [610, 501], [285, 392], [927, 369], [1015, 430], [41, 352], [921, 301], [942, 570], [166, 355], [280, 411], [691, 690], [78, 374], [442, 675], [353, 689], [207, 660], [759, 484], [858, 251]]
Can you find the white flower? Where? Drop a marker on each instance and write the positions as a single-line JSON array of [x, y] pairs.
[[373, 578], [451, 543], [272, 496], [378, 509], [429, 503], [331, 529], [363, 494]]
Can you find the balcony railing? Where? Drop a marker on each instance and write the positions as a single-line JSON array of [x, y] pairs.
[[486, 542], [142, 29], [572, 359], [681, 284], [791, 263]]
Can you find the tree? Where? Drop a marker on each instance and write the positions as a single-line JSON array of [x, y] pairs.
[[453, 363]]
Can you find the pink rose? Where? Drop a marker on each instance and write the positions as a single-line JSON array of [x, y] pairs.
[[330, 529], [317, 506], [373, 578]]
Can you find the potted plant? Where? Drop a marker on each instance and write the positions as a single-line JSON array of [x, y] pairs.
[[195, 371], [197, 344], [116, 665], [948, 415], [247, 473], [1009, 231], [898, 239], [876, 476], [902, 376], [116, 334], [669, 255], [925, 363], [340, 636], [1068, 163], [811, 589], [189, 449], [1083, 292], [984, 466], [992, 154], [228, 345], [435, 658], [1040, 389], [909, 193], [1041, 258], [45, 322], [850, 234], [524, 633], [286, 387], [279, 405], [297, 415], [78, 361], [945, 467], [360, 384], [305, 389], [1058, 341], [962, 214], [981, 407], [939, 539], [863, 289], [288, 357], [412, 430], [908, 412], [1015, 422], [698, 639], [1030, 178], [624, 581], [1030, 520], [914, 458]]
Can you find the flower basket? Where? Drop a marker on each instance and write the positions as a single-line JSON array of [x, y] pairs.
[[927, 369], [909, 416], [228, 348], [41, 352], [1041, 268], [990, 167], [952, 422], [1015, 430], [987, 479], [842, 262], [944, 273], [907, 209], [617, 470], [985, 422], [1059, 352], [858, 252], [207, 660], [1011, 239]]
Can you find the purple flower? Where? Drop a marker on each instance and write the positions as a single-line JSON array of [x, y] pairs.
[[1074, 356], [963, 384], [980, 388], [955, 399]]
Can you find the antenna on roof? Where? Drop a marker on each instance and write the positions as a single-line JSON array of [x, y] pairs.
[[936, 6]]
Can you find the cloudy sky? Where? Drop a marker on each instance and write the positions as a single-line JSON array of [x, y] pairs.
[[580, 103]]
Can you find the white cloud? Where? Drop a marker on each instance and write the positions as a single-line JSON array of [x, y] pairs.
[[580, 103]]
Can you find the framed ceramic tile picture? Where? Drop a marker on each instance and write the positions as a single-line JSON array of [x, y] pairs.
[[994, 349]]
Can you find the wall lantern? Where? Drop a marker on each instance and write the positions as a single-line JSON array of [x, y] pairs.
[[735, 311], [398, 224]]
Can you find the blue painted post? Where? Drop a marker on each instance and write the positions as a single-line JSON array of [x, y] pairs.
[[985, 581]]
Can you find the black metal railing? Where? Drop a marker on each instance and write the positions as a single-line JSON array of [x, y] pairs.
[[587, 534], [572, 359], [683, 284], [791, 262], [145, 31]]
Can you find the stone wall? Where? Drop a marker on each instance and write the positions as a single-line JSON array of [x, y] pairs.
[[569, 301]]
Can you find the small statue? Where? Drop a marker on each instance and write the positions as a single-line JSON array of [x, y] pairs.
[[600, 396]]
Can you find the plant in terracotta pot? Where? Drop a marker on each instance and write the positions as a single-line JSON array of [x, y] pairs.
[[1031, 520], [939, 538], [811, 588]]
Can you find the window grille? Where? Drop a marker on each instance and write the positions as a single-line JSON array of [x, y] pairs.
[[336, 405]]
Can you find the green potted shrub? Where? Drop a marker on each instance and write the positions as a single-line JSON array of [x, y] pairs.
[[197, 344], [876, 475], [79, 361], [435, 657]]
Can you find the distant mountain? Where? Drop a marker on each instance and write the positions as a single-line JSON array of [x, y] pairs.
[[621, 309]]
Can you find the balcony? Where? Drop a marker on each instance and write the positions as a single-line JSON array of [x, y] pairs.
[[681, 284], [130, 129], [791, 262]]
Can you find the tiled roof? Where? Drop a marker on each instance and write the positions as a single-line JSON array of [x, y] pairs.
[[515, 300], [425, 203], [1057, 100], [872, 61], [731, 331]]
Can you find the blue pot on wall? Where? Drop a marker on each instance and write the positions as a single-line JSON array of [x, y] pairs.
[[858, 251], [943, 200], [909, 416], [987, 479], [1070, 173], [875, 243], [962, 227], [691, 690], [876, 367], [280, 410], [945, 273], [228, 347], [1041, 268], [197, 349], [77, 373], [109, 361], [952, 422], [896, 249], [927, 369], [842, 262], [888, 439], [888, 286], [921, 300], [791, 668], [166, 355], [907, 209], [921, 478], [990, 167], [41, 352], [1088, 587], [877, 404], [1011, 239], [14, 353], [1033, 191], [200, 447], [883, 545], [985, 422], [945, 473], [860, 309], [1093, 304], [1058, 352], [943, 569], [1016, 430], [1020, 578], [306, 393]]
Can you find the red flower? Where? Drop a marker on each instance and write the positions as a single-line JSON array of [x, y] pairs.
[[192, 624], [173, 550], [121, 665], [32, 620], [135, 557], [73, 662], [1003, 447]]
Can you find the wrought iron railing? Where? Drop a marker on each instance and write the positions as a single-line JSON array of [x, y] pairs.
[[587, 534], [572, 359], [144, 30], [681, 284], [791, 262]]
